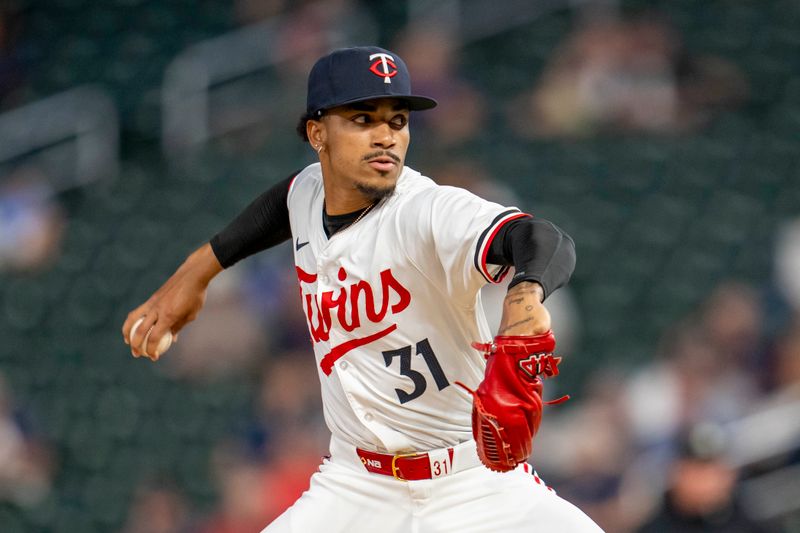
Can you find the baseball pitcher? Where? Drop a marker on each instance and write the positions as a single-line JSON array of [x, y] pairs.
[[432, 417]]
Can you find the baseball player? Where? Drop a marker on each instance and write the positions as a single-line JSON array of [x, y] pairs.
[[432, 419]]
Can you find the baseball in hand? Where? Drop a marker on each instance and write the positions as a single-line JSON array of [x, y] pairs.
[[163, 344]]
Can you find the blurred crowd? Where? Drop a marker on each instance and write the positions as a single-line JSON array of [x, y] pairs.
[[671, 445], [627, 75], [663, 447], [26, 462]]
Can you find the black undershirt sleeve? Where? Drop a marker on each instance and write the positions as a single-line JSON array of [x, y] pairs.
[[539, 250], [263, 224]]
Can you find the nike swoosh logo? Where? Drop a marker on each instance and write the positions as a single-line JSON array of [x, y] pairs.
[[298, 244]]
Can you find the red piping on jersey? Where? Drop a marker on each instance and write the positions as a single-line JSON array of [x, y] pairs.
[[488, 243], [338, 351], [292, 182]]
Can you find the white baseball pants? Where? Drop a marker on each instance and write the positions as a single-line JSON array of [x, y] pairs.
[[345, 498]]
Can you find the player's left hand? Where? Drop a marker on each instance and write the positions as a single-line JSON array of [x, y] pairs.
[[507, 405]]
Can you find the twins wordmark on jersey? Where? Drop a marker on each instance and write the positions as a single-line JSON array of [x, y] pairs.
[[348, 305]]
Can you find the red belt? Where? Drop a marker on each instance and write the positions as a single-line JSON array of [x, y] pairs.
[[404, 466]]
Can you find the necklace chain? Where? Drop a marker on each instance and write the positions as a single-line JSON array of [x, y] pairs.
[[363, 213]]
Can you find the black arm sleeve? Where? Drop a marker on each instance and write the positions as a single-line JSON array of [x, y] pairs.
[[539, 250], [263, 224]]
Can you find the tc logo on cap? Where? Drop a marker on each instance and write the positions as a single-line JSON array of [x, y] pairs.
[[384, 62]]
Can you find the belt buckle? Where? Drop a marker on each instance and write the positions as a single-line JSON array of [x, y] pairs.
[[395, 470]]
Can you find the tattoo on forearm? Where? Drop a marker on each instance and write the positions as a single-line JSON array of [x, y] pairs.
[[515, 324], [522, 293], [520, 300]]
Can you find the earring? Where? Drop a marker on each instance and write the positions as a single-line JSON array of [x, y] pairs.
[[319, 148]]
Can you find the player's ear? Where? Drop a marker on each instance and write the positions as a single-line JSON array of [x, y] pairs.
[[315, 129]]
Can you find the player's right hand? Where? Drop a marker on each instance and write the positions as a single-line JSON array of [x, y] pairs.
[[176, 303]]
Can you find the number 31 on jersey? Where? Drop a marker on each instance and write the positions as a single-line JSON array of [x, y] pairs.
[[420, 383]]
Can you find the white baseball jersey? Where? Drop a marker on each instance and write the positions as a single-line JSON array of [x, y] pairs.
[[392, 304]]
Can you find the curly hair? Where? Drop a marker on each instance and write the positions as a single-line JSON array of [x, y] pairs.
[[301, 124]]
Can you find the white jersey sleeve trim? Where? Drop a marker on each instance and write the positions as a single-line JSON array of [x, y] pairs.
[[485, 241]]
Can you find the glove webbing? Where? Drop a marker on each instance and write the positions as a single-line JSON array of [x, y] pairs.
[[492, 434], [541, 364]]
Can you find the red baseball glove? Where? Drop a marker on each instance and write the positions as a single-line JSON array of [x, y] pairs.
[[507, 406]]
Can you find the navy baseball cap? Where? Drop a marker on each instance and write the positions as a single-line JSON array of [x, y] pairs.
[[350, 75]]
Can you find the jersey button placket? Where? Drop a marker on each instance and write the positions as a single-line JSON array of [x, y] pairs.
[[345, 381]]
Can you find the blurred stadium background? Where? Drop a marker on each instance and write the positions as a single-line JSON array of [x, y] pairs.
[[663, 135]]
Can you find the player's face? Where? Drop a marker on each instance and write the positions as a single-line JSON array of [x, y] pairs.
[[365, 145]]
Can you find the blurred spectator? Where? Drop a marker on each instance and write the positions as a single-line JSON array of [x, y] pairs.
[[786, 372], [157, 508], [25, 463], [255, 490], [312, 29], [12, 65], [280, 450], [732, 319], [242, 505], [289, 393], [700, 495], [31, 222], [787, 263], [468, 173], [252, 11], [703, 375], [288, 402], [433, 56], [625, 76], [297, 454], [271, 293], [585, 449]]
